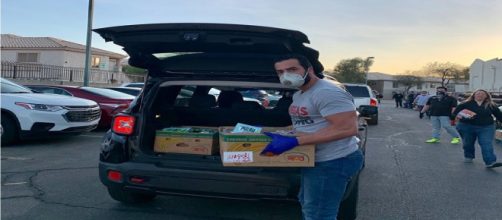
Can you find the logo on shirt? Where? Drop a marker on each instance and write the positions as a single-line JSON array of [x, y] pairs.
[[300, 115]]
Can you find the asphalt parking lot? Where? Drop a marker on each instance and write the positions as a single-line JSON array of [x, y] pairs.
[[404, 178]]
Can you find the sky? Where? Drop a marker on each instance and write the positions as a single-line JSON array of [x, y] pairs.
[[401, 35]]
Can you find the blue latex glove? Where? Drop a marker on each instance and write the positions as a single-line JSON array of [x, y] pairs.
[[279, 144]]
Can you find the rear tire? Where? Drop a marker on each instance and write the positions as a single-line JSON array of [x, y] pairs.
[[9, 130], [124, 196], [373, 120], [348, 207]]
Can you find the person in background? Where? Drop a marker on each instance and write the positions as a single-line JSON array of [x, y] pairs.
[[441, 107], [410, 99], [475, 116], [398, 97], [420, 102]]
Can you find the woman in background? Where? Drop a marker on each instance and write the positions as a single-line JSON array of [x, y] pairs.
[[476, 122]]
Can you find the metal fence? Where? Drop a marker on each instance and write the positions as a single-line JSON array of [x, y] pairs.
[[26, 71]]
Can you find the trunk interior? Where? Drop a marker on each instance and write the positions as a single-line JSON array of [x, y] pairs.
[[211, 106]]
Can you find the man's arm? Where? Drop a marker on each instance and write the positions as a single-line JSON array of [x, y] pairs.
[[341, 125]]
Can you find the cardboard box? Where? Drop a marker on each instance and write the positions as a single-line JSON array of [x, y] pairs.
[[498, 134], [243, 149], [192, 142]]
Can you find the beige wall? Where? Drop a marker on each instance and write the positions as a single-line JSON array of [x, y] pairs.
[[60, 58], [55, 58]]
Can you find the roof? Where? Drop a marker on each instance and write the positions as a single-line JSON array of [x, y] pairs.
[[380, 76], [11, 41], [389, 77]]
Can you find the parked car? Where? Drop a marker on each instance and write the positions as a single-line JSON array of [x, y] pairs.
[[258, 94], [130, 168], [127, 90], [365, 100], [133, 85], [26, 114], [110, 102]]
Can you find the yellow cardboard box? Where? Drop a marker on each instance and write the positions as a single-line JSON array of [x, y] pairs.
[[243, 149], [198, 140]]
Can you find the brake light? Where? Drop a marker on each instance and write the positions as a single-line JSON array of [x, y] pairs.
[[115, 176], [373, 102], [123, 124]]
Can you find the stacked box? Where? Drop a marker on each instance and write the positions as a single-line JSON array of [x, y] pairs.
[[243, 149], [188, 140]]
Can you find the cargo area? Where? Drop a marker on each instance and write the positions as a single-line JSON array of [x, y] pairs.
[[213, 106]]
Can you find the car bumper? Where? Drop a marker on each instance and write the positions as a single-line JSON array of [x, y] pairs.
[[368, 110], [203, 183], [32, 134], [40, 121]]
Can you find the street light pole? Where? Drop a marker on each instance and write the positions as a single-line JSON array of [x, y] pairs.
[[367, 68], [88, 43]]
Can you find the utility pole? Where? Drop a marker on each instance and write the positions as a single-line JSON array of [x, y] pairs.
[[367, 68], [88, 43]]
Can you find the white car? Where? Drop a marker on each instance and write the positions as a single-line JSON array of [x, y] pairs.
[[365, 101], [26, 114]]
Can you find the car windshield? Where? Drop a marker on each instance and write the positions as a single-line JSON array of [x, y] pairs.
[[108, 93], [9, 87], [357, 91]]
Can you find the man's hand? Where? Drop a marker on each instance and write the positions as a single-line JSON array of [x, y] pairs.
[[279, 144]]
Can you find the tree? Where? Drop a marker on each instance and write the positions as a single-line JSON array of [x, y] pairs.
[[447, 71], [352, 70], [133, 70], [408, 81]]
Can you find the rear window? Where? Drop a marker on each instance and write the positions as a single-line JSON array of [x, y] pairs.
[[272, 96], [108, 93], [357, 91]]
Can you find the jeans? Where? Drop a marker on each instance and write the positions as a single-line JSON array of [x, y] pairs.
[[485, 136], [323, 186], [442, 121]]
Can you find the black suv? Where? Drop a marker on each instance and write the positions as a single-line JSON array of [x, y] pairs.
[[202, 58]]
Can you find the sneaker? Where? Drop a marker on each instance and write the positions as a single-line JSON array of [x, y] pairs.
[[468, 160], [493, 165], [432, 140], [455, 140]]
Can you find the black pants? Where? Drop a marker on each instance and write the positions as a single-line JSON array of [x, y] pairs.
[[399, 103], [420, 114]]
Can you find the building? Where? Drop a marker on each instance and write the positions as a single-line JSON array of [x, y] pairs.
[[486, 75], [385, 84], [55, 52]]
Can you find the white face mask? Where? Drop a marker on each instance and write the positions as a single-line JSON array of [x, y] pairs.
[[292, 79]]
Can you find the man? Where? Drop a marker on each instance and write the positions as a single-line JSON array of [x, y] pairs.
[[420, 101], [398, 97], [441, 108], [324, 115], [410, 99]]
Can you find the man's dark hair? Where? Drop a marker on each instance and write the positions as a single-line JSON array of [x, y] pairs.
[[442, 87], [304, 62]]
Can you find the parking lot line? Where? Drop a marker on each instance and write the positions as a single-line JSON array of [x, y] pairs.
[[11, 184]]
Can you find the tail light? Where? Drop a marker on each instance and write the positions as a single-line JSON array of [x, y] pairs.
[[123, 124], [373, 102], [115, 176]]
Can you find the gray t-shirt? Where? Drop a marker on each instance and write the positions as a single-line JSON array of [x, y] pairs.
[[309, 109]]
